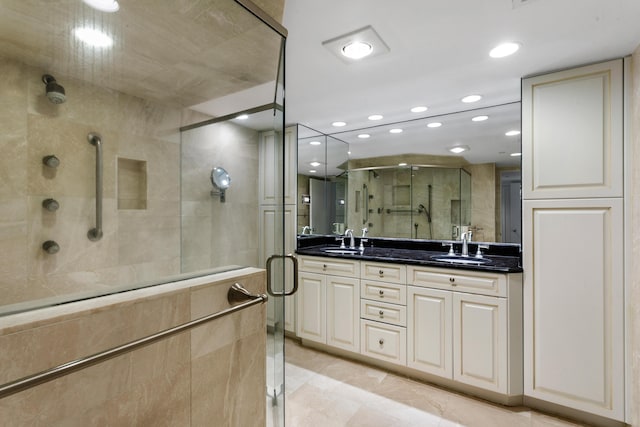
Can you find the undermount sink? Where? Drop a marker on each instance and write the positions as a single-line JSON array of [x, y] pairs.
[[455, 259], [343, 251]]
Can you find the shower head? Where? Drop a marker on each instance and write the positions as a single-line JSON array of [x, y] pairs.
[[55, 92]]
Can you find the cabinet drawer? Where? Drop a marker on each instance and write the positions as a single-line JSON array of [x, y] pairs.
[[458, 280], [332, 266], [395, 273], [381, 291], [383, 312], [384, 342]]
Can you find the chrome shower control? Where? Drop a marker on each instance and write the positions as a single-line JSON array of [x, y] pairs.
[[51, 247], [51, 205], [51, 161]]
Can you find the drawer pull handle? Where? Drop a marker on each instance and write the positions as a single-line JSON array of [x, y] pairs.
[[324, 266], [452, 280], [381, 293], [381, 313], [381, 273], [381, 342]]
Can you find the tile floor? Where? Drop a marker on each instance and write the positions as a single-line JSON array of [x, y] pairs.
[[327, 391]]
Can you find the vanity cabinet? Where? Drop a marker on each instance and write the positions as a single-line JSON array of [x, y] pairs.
[[466, 326], [573, 238], [383, 311], [329, 302]]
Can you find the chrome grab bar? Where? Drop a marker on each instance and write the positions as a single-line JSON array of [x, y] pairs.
[[236, 293], [295, 276], [95, 234]]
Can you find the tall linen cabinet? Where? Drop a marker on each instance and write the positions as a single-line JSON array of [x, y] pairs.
[[573, 238]]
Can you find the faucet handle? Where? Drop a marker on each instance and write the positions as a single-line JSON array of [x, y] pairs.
[[364, 232], [362, 242], [450, 244], [479, 250], [342, 246]]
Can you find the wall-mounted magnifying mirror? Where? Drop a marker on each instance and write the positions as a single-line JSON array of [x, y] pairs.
[[221, 180]]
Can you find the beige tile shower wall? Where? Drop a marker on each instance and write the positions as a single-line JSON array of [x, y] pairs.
[[138, 245], [212, 375], [483, 201], [215, 233]]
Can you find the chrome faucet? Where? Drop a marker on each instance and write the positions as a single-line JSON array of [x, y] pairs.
[[466, 236], [306, 228], [352, 241]]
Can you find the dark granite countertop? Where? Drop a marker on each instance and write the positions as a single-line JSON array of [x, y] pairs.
[[503, 258]]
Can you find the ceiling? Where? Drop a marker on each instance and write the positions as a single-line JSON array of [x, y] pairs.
[[438, 54]]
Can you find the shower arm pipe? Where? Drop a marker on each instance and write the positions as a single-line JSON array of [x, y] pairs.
[[236, 293], [95, 234]]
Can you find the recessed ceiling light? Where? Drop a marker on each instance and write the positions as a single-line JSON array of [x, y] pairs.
[[338, 124], [395, 130], [364, 136], [315, 143], [504, 49], [375, 117], [243, 117], [419, 109], [434, 125], [315, 164], [356, 45], [459, 149], [103, 5], [516, 154], [93, 37], [312, 171], [471, 98], [513, 133], [357, 50], [479, 118], [402, 164]]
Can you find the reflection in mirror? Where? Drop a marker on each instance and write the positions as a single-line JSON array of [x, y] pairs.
[[439, 193], [322, 162]]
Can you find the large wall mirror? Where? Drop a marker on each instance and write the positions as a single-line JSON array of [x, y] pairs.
[[429, 178]]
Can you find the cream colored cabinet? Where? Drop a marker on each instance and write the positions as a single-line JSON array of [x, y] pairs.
[[572, 131], [468, 337], [573, 238], [429, 347], [328, 304], [272, 161], [343, 313], [480, 342], [383, 311], [574, 307], [312, 298]]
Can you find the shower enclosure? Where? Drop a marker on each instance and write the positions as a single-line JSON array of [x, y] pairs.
[[112, 120]]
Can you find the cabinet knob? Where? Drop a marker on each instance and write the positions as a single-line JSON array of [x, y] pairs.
[[452, 279], [381, 273], [381, 293], [381, 341], [381, 313], [324, 266]]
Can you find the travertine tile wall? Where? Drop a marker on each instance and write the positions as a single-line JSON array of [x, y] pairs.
[[214, 233], [138, 245], [142, 237], [633, 297], [213, 375]]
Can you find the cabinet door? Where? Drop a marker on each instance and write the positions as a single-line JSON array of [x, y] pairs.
[[343, 313], [429, 328], [311, 299], [480, 341], [572, 133], [573, 304]]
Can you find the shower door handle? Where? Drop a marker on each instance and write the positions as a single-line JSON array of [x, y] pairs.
[[95, 234], [284, 293]]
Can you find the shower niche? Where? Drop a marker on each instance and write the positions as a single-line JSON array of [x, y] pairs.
[[412, 201], [132, 184]]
